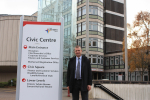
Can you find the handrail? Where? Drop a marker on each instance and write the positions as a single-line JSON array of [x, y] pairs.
[[108, 91], [119, 82]]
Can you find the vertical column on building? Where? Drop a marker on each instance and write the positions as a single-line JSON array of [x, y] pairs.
[[87, 28], [125, 35]]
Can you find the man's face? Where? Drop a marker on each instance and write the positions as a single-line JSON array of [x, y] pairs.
[[78, 52]]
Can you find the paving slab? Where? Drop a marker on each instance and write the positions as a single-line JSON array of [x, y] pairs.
[[10, 94]]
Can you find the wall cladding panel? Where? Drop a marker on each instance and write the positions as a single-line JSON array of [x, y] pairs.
[[114, 20], [113, 47], [114, 34], [114, 6]]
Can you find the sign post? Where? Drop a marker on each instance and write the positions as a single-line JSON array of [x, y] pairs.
[[40, 58]]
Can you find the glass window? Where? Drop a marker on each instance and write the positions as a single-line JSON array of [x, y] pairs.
[[79, 42], [84, 10], [93, 10], [111, 60], [83, 26], [93, 26], [107, 61], [94, 60], [79, 12], [79, 27], [100, 27], [89, 43], [116, 60], [121, 60], [100, 12], [94, 43], [83, 42], [101, 60], [100, 43], [69, 17], [69, 31], [65, 32]]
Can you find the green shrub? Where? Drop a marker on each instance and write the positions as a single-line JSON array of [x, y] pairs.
[[14, 82], [3, 84]]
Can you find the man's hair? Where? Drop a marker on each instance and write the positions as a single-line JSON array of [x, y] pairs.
[[77, 46]]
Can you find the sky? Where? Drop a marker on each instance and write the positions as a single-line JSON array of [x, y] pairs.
[[28, 7]]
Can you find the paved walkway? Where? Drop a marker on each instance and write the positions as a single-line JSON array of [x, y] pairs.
[[10, 94]]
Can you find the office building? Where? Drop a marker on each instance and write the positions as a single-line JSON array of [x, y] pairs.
[[103, 28]]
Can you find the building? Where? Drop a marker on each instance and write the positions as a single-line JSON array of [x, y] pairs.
[[9, 40], [99, 32]]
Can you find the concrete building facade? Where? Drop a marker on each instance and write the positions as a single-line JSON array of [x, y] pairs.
[[9, 40]]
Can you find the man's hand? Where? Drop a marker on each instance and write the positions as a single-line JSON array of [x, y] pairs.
[[89, 87]]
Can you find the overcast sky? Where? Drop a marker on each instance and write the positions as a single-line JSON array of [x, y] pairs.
[[28, 7]]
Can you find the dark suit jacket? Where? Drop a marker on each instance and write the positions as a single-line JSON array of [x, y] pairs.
[[86, 73]]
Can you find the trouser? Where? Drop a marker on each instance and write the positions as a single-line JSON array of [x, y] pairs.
[[76, 89]]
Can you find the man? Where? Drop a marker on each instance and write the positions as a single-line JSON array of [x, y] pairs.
[[79, 75]]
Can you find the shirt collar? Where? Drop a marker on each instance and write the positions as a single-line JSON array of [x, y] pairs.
[[79, 57]]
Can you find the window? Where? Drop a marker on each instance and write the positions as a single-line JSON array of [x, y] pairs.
[[79, 27], [83, 42], [84, 10], [65, 33], [100, 12], [69, 31], [121, 60], [69, 17], [83, 26], [100, 43], [100, 27], [94, 57], [100, 60], [107, 61], [116, 60], [93, 26], [111, 60], [93, 10], [79, 42], [79, 12], [93, 42]]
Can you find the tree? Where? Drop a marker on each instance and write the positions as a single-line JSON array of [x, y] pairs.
[[138, 54]]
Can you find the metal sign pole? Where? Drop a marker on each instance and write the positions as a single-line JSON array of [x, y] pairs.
[[19, 57], [61, 59]]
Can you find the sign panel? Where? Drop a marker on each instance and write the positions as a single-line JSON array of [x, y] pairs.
[[120, 77], [40, 58]]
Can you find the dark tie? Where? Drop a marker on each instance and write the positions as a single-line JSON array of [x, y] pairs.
[[78, 69]]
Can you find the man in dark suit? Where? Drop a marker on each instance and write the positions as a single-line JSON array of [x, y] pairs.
[[79, 75]]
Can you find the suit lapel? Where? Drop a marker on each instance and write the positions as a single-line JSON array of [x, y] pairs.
[[82, 65], [74, 66]]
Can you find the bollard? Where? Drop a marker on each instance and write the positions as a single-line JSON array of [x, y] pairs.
[[68, 92]]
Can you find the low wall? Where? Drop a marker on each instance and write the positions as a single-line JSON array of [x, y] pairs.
[[130, 91]]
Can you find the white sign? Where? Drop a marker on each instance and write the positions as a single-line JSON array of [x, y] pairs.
[[120, 77], [40, 58]]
